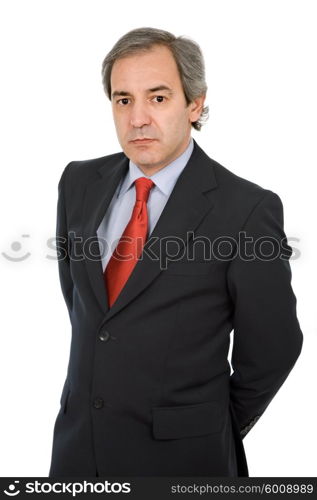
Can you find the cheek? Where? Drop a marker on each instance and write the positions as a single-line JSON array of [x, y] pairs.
[[170, 122], [173, 129], [177, 117]]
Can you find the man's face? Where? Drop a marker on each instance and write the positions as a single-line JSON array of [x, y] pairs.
[[160, 115]]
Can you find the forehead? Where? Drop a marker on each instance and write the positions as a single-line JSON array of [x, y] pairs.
[[145, 68]]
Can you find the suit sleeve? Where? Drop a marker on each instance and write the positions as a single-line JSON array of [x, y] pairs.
[[267, 337], [62, 243]]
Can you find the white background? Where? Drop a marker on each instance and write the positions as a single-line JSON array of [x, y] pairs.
[[261, 72]]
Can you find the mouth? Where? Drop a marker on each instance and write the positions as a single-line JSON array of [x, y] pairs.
[[142, 141]]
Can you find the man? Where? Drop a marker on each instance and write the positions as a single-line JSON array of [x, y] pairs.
[[155, 278]]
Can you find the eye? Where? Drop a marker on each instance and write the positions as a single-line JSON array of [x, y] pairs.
[[159, 97], [123, 99]]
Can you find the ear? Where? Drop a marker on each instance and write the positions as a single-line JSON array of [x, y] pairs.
[[196, 108]]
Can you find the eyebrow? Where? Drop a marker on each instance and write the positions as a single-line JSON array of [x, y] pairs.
[[154, 89]]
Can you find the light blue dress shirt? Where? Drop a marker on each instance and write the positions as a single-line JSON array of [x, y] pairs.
[[121, 206]]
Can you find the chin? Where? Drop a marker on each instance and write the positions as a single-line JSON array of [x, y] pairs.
[[144, 159]]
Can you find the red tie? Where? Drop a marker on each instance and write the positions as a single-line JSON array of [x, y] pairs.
[[131, 243]]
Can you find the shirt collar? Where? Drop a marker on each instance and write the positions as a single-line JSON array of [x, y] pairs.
[[165, 179]]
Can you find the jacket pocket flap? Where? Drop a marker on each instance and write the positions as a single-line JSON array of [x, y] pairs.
[[175, 422]]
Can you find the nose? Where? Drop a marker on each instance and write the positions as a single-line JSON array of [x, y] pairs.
[[139, 115]]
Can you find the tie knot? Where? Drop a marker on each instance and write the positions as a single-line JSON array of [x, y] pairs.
[[143, 185]]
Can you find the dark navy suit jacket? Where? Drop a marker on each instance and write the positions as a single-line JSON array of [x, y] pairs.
[[149, 390]]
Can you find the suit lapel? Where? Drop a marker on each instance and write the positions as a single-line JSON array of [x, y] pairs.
[[97, 198], [187, 205]]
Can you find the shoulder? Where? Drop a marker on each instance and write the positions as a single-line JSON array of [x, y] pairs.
[[238, 188], [237, 197], [231, 187], [79, 172], [235, 186], [82, 168]]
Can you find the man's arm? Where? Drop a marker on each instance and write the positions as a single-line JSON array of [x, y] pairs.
[[267, 335], [62, 243]]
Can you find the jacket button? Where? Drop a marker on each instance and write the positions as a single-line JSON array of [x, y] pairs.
[[104, 336], [98, 403]]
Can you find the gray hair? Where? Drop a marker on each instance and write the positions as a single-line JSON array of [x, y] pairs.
[[187, 55]]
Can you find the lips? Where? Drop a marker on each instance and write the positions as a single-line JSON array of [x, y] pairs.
[[141, 141]]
